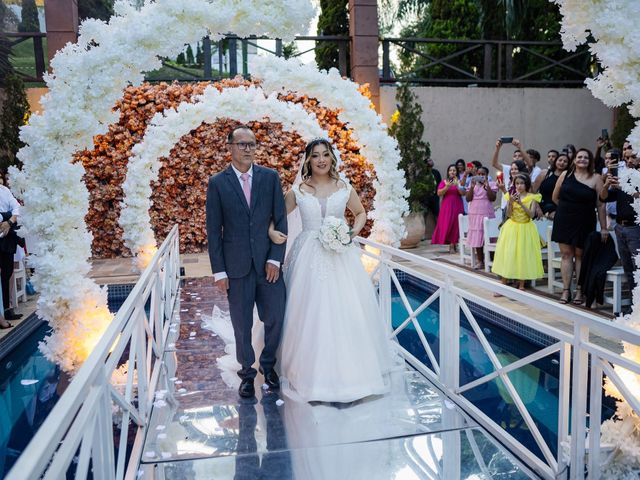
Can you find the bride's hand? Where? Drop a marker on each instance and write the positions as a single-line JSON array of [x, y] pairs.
[[277, 237]]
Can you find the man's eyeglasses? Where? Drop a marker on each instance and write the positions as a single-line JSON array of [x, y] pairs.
[[245, 145]]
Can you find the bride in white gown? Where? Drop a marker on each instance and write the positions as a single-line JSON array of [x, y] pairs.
[[334, 346]]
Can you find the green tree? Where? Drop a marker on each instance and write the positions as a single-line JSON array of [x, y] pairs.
[[29, 22], [5, 46], [407, 128], [535, 20], [15, 111], [199, 55], [333, 20], [290, 50], [100, 9], [181, 60], [190, 59], [624, 124]]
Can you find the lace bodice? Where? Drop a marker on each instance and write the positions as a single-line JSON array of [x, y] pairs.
[[313, 209]]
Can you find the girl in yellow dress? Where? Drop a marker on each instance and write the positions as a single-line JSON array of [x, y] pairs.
[[518, 254]]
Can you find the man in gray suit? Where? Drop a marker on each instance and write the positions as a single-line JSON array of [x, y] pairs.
[[241, 202]]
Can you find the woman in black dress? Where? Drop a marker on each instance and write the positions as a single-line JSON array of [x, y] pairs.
[[576, 196], [546, 183]]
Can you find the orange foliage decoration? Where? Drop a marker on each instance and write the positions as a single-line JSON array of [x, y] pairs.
[[180, 193]]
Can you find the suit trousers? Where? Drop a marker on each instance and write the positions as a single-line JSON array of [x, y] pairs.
[[628, 245], [6, 270], [270, 299]]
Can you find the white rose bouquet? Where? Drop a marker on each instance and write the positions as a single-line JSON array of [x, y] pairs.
[[335, 234]]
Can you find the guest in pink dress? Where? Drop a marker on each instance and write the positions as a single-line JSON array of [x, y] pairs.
[[447, 232], [481, 194]]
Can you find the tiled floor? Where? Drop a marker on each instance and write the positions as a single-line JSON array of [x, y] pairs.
[[201, 428]]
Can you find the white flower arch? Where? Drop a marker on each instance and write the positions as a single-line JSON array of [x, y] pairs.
[[88, 78], [165, 129]]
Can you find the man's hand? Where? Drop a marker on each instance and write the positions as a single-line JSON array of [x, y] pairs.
[[273, 272], [516, 143], [4, 228], [223, 285]]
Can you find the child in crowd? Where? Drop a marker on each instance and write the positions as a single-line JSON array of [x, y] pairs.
[[480, 195], [518, 255]]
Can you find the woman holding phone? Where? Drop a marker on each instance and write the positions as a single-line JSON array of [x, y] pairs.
[[447, 232], [576, 195]]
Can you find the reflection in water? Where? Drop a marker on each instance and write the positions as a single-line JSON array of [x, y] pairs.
[[30, 386]]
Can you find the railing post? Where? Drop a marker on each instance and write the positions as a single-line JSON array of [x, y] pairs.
[[278, 47], [245, 57], [386, 65], [564, 385], [220, 56], [509, 61], [595, 419], [579, 401], [488, 61], [38, 52], [206, 52], [342, 58], [499, 72], [384, 290], [449, 337], [233, 57]]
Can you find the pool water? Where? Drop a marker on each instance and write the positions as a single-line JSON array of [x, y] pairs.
[[536, 383], [30, 386]]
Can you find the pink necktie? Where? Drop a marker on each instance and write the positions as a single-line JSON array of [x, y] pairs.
[[246, 188]]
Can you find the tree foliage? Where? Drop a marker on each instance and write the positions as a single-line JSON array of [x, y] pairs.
[[535, 20], [333, 20], [624, 124], [15, 112], [29, 22], [100, 9], [407, 128]]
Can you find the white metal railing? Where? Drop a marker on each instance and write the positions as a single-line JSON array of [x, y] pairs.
[[80, 429], [582, 361]]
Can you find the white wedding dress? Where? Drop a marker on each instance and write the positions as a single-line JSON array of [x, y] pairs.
[[334, 345]]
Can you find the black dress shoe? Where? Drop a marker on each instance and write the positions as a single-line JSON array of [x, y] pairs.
[[246, 389], [11, 315], [271, 378]]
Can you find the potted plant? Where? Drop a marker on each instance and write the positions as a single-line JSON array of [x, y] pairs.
[[407, 129]]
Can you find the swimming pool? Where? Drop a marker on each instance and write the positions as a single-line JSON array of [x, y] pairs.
[[536, 383], [30, 386]]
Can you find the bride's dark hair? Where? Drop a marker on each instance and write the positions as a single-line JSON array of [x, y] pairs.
[[306, 165]]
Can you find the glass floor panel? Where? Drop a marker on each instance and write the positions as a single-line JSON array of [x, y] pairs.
[[457, 454]]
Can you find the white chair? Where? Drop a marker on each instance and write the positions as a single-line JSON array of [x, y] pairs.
[[615, 275], [491, 233], [466, 253], [18, 284]]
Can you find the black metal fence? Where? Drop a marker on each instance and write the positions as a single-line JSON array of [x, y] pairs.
[[233, 57], [420, 61], [433, 61], [29, 57]]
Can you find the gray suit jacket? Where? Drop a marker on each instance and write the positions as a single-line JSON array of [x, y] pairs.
[[237, 232]]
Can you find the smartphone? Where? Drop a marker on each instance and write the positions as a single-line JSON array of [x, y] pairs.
[[613, 169], [479, 179], [504, 140], [605, 134]]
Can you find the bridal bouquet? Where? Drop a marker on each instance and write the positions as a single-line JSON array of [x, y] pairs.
[[335, 234]]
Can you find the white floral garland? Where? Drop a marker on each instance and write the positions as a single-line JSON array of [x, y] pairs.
[[88, 78], [613, 26], [334, 92], [165, 130]]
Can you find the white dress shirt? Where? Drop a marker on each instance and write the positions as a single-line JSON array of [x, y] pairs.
[[222, 275], [8, 202]]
